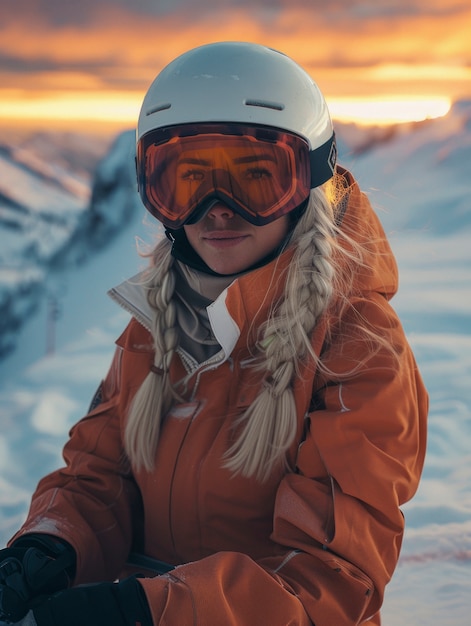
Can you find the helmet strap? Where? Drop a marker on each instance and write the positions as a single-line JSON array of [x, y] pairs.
[[323, 160]]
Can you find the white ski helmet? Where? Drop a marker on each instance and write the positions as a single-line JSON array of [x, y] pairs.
[[246, 83]]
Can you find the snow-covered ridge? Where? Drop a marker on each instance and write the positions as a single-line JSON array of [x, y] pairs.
[[59, 203], [424, 166], [64, 197]]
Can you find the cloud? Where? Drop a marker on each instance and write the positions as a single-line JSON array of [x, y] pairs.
[[122, 44], [63, 13]]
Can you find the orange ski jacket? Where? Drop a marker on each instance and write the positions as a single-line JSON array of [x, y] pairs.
[[315, 544]]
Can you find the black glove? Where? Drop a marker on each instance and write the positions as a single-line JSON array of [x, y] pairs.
[[103, 604], [34, 567]]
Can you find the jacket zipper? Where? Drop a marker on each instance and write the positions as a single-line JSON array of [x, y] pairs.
[[196, 369]]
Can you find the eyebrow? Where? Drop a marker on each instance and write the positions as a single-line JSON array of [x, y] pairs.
[[266, 156], [254, 158], [190, 161]]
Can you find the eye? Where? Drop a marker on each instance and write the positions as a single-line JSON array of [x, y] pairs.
[[192, 175], [257, 173]]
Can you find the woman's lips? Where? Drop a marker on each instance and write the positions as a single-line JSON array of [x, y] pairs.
[[224, 239]]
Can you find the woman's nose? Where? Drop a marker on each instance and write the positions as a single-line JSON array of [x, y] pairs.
[[221, 210]]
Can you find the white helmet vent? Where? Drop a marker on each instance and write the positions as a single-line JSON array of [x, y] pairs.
[[276, 106], [160, 107]]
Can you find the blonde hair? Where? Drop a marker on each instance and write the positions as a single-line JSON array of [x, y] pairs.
[[269, 425]]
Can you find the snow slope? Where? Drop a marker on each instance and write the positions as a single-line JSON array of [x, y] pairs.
[[52, 214], [418, 181]]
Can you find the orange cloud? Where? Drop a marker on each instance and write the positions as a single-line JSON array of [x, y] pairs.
[[367, 50], [115, 38]]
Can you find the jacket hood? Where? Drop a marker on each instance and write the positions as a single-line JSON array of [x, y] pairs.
[[358, 221]]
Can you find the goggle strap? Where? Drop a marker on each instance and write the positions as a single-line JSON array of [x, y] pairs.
[[323, 160]]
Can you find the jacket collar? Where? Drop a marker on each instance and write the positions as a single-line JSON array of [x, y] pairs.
[[232, 313]]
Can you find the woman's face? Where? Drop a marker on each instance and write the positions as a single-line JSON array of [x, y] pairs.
[[228, 244]]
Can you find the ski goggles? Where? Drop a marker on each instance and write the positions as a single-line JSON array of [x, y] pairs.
[[261, 173]]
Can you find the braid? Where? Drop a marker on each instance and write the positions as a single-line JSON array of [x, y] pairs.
[[156, 395], [270, 423], [309, 283]]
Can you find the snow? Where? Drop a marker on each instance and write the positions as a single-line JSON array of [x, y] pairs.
[[418, 182]]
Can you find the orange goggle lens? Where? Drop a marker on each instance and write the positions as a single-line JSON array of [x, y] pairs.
[[260, 173]]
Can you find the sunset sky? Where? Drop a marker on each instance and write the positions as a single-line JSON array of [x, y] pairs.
[[83, 62]]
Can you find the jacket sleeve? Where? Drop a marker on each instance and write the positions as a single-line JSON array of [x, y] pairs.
[[93, 502], [338, 516], [361, 460]]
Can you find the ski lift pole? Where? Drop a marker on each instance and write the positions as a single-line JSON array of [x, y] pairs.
[[53, 313]]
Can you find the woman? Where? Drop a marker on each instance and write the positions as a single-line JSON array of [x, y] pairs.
[[263, 418]]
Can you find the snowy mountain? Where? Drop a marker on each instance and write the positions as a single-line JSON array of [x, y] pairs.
[[423, 166], [418, 179], [59, 203]]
